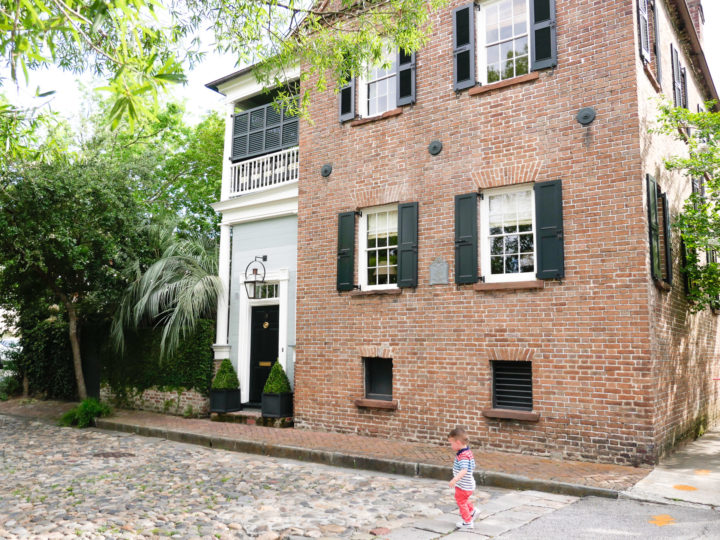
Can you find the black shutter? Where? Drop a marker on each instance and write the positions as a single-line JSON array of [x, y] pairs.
[[549, 230], [543, 34], [668, 240], [654, 228], [464, 47], [405, 78], [346, 252], [677, 83], [656, 41], [408, 244], [644, 28], [684, 259], [240, 136], [466, 238], [347, 101], [684, 90]]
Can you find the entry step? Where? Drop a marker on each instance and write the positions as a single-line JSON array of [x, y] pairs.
[[252, 417]]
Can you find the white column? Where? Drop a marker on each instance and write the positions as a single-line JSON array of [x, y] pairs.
[[221, 347], [227, 151]]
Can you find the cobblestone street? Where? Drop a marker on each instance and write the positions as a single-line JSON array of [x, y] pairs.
[[60, 482]]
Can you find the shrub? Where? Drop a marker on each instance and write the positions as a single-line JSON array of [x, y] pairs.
[[9, 386], [225, 379], [277, 382], [84, 415]]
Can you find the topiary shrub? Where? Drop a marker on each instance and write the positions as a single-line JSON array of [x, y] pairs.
[[225, 378], [277, 382], [84, 415]]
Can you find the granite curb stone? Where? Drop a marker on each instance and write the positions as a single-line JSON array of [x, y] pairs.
[[339, 459]]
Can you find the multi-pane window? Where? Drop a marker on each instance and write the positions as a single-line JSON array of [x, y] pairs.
[[379, 247], [504, 40], [266, 290], [380, 86], [508, 234]]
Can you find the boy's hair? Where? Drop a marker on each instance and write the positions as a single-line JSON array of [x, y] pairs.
[[459, 434]]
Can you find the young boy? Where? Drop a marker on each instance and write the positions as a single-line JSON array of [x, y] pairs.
[[463, 480]]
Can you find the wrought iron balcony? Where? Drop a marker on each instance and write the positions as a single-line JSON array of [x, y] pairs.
[[263, 172]]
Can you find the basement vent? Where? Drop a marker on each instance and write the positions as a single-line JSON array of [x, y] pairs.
[[512, 385]]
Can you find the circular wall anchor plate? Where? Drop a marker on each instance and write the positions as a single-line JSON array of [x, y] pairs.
[[435, 147], [326, 170], [585, 116]]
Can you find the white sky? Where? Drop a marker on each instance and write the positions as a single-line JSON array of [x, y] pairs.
[[199, 99]]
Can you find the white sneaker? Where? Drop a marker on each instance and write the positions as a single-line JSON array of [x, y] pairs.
[[463, 525]]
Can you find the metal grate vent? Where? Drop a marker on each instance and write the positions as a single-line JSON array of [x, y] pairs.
[[512, 385]]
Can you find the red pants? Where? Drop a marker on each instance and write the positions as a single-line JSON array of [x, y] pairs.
[[462, 497]]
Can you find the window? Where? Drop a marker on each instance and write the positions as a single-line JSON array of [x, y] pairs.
[[512, 385], [266, 290], [378, 378], [659, 231], [378, 87], [508, 234], [379, 248], [503, 40]]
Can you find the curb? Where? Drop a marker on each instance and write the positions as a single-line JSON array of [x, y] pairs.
[[350, 461]]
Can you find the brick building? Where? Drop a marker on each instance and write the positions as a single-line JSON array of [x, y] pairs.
[[489, 244]]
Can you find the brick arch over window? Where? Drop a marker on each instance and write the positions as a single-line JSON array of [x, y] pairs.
[[512, 353], [375, 351], [520, 173], [379, 197]]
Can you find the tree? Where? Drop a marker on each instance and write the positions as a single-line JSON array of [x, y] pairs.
[[699, 220], [139, 46], [68, 227]]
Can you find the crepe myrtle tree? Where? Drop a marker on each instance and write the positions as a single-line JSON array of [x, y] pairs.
[[68, 227], [699, 220]]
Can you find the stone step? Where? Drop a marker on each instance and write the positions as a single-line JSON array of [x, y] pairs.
[[251, 417]]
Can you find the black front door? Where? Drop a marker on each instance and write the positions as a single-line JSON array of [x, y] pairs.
[[263, 347]]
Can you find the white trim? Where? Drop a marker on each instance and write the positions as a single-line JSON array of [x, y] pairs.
[[282, 277], [362, 247], [246, 85], [277, 201], [485, 233], [480, 40], [221, 329]]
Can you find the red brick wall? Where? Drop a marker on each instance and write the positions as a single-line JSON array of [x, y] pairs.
[[588, 335]]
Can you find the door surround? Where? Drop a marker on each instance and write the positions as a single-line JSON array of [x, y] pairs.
[[282, 278]]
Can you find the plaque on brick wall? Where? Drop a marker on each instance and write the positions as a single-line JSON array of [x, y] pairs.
[[439, 272]]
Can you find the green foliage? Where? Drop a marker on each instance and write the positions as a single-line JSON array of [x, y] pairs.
[[277, 381], [46, 358], [225, 378], [84, 415], [9, 386], [139, 367], [699, 220]]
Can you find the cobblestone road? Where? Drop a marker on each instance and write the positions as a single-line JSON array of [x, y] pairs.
[[62, 482]]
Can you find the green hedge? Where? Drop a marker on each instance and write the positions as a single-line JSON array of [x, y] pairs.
[[140, 368], [46, 359]]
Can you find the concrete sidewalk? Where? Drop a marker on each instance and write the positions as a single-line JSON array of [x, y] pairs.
[[514, 471]]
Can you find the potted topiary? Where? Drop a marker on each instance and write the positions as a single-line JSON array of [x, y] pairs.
[[277, 397], [225, 390]]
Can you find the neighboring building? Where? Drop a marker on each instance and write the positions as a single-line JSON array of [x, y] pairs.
[[480, 253], [481, 236], [258, 232]]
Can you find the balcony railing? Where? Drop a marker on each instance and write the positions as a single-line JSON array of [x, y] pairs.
[[264, 172]]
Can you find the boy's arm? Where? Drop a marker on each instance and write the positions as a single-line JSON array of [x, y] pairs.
[[457, 477]]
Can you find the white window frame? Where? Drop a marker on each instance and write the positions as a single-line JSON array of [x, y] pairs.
[[480, 42], [364, 81], [485, 235], [362, 247]]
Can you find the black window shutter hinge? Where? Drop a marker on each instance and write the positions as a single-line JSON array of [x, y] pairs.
[[482, 279], [358, 213], [480, 195]]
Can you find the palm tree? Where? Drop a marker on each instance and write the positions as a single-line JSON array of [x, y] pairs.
[[181, 287]]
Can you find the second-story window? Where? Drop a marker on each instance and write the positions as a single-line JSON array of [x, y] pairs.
[[504, 39], [378, 92]]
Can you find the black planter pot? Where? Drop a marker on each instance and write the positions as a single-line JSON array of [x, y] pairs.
[[222, 401], [277, 405]]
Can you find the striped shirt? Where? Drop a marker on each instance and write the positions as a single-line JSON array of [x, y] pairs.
[[464, 460]]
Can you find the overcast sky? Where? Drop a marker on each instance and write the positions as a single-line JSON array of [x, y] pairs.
[[199, 100]]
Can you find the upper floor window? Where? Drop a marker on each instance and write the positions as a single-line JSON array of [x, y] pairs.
[[496, 40], [379, 91], [503, 35]]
